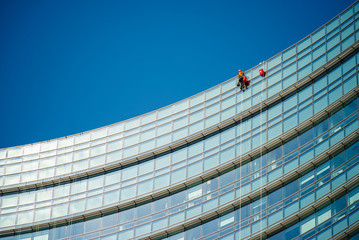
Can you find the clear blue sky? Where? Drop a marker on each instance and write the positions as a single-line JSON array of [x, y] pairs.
[[72, 66]]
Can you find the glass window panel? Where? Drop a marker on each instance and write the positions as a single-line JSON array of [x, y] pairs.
[[162, 181], [129, 172], [148, 118], [146, 146], [304, 71], [319, 42], [43, 195], [304, 60], [97, 150], [274, 89], [111, 197], [289, 53], [303, 44], [349, 64], [194, 169], [274, 78], [318, 34], [163, 140], [353, 196], [305, 93], [114, 156], [114, 145], [25, 217], [213, 92], [350, 108], [347, 31], [274, 111], [348, 42], [333, 52], [213, 120], [318, 51], [228, 102], [334, 75], [131, 140], [178, 174], [94, 202], [180, 106], [305, 113], [212, 109], [164, 112], [320, 84], [350, 84], [80, 138], [130, 151], [197, 99], [128, 192], [307, 224], [305, 52], [179, 155], [335, 94], [319, 62], [320, 104], [228, 85], [347, 14], [333, 41], [149, 134], [209, 227], [274, 131], [274, 61], [333, 24], [305, 137], [194, 117], [211, 162], [77, 206], [77, 187], [228, 113], [211, 142]]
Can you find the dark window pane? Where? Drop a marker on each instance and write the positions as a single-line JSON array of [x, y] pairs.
[[209, 227], [291, 188], [193, 233], [275, 197], [321, 128], [290, 146], [291, 232], [335, 118], [339, 204], [337, 160], [278, 236], [350, 108], [352, 150], [306, 137]]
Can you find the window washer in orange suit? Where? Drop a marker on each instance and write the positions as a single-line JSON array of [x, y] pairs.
[[240, 78]]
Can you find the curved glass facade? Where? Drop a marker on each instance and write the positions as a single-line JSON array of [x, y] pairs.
[[278, 161]]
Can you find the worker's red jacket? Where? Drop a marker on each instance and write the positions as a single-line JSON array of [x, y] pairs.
[[246, 80]]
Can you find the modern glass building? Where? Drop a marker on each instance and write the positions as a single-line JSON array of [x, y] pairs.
[[278, 161]]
